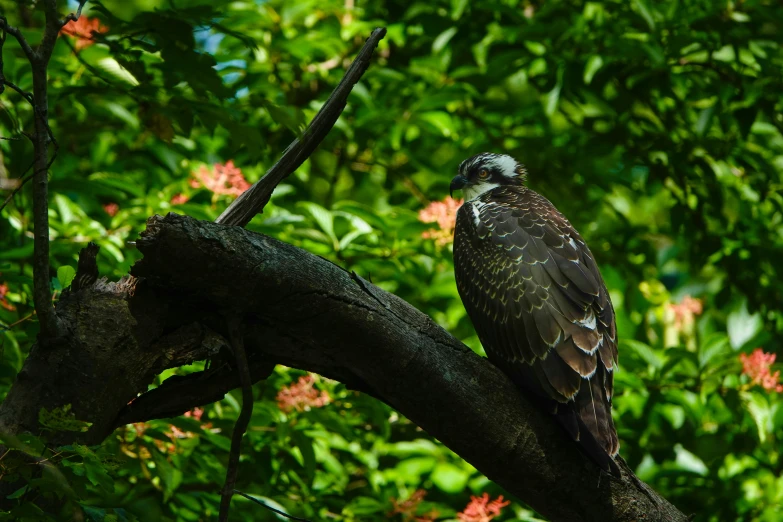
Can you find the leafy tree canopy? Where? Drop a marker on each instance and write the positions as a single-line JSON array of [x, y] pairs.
[[655, 127]]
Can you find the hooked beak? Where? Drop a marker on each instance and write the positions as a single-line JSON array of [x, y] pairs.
[[457, 183]]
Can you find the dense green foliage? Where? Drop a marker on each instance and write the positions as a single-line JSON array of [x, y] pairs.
[[655, 127]]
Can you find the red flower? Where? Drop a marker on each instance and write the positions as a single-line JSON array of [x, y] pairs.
[[140, 428], [222, 179], [176, 433], [301, 396], [179, 198], [445, 214], [757, 367], [3, 300], [111, 208], [686, 311], [480, 509], [83, 30], [408, 508], [195, 413], [165, 447]]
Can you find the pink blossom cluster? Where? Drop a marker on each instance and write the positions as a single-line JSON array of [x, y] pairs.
[[757, 367], [4, 300], [220, 179], [686, 311], [444, 213], [481, 509], [302, 395], [179, 199], [408, 508], [111, 209], [83, 30]]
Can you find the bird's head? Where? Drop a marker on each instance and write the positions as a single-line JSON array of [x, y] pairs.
[[484, 172]]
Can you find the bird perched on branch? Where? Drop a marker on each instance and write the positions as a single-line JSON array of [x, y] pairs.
[[537, 300]]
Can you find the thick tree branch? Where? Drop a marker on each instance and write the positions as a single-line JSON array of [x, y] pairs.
[[253, 200], [308, 313]]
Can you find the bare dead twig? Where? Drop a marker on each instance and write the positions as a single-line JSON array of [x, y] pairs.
[[20, 321], [26, 95], [73, 16], [253, 200], [17, 189], [16, 33], [238, 345]]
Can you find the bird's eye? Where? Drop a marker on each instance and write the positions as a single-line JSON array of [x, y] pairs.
[[483, 174]]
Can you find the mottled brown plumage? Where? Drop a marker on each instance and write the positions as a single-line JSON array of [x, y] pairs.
[[537, 300]]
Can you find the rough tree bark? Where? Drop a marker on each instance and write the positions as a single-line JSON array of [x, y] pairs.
[[300, 310]]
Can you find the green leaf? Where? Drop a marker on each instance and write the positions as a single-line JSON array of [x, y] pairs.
[[704, 121], [643, 352], [537, 48], [363, 506], [18, 493], [743, 326], [689, 462], [759, 408], [113, 68], [443, 39], [61, 419], [449, 478], [305, 445], [594, 63], [323, 218], [94, 514], [406, 448], [714, 345], [682, 360], [644, 11], [65, 275], [411, 469], [98, 476], [65, 208], [292, 117], [440, 121], [457, 8], [170, 475], [273, 504], [554, 95]]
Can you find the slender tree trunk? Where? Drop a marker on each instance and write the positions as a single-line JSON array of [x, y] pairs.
[[42, 294]]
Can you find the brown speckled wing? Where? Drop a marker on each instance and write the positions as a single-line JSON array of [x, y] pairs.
[[539, 305]]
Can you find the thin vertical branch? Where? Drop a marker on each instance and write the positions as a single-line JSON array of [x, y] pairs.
[[238, 345], [43, 137], [42, 292]]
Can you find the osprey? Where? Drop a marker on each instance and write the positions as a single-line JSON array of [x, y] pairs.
[[537, 300]]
